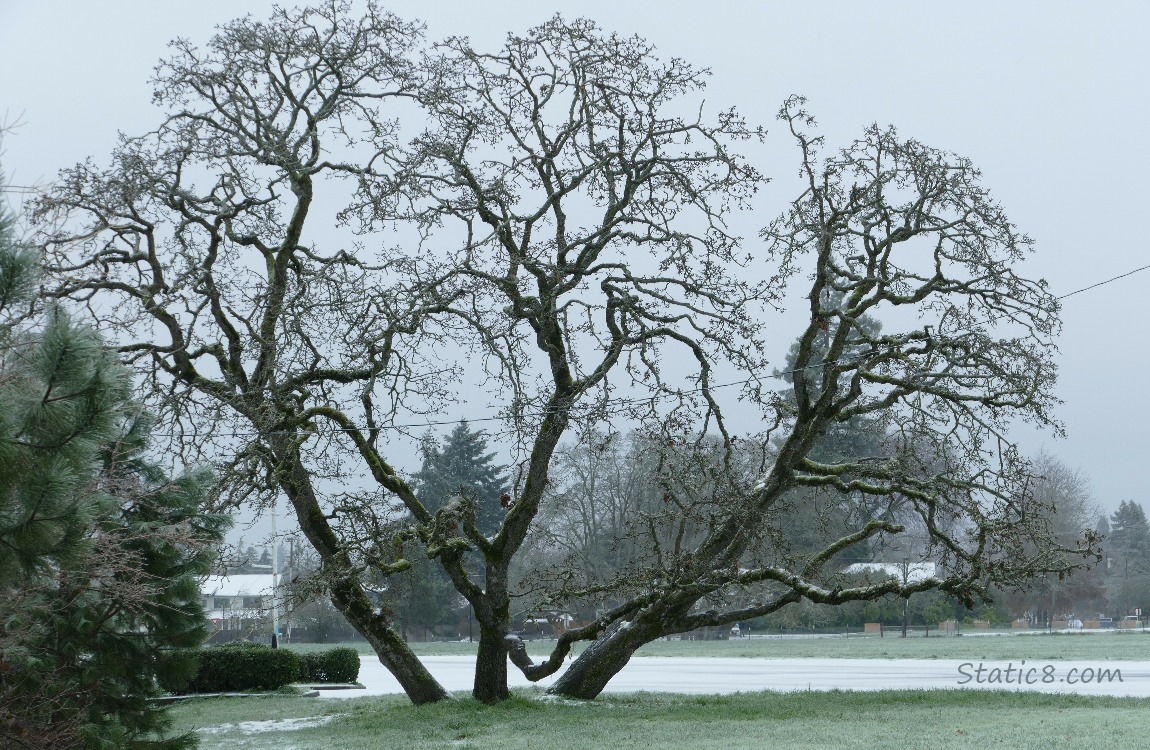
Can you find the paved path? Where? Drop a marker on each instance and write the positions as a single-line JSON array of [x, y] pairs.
[[732, 675]]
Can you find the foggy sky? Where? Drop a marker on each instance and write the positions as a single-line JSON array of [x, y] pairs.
[[1050, 99]]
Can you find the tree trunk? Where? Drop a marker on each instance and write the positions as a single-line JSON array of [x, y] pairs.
[[347, 593], [419, 684], [602, 660], [393, 652], [490, 667]]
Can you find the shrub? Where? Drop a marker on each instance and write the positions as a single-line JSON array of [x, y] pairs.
[[334, 665], [309, 667], [244, 666], [176, 668]]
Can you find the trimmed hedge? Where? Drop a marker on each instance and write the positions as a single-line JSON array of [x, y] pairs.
[[237, 667], [240, 666], [177, 667], [333, 665]]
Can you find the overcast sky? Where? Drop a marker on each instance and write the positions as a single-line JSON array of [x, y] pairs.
[[1049, 98]]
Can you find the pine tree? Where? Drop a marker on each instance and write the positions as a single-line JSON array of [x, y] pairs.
[[98, 550], [462, 464], [821, 516], [424, 596], [1130, 531], [1128, 550], [58, 398]]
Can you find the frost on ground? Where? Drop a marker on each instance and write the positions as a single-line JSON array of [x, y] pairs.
[[274, 725], [560, 700]]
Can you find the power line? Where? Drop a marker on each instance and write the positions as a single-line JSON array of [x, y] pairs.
[[1102, 283]]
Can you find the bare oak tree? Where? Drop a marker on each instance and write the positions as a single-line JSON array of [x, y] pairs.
[[564, 215], [886, 225]]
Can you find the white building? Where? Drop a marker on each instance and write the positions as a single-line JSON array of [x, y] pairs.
[[913, 572], [238, 601]]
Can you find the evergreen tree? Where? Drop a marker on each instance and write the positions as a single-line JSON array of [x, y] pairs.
[[819, 515], [98, 550], [1128, 553], [58, 398], [462, 464], [852, 438], [1130, 531], [422, 598]]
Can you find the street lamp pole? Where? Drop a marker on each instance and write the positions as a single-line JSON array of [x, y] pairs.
[[906, 599]]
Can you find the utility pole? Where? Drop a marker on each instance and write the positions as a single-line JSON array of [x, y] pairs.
[[275, 581]]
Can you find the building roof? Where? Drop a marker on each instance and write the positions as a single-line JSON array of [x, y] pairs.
[[915, 572], [247, 584]]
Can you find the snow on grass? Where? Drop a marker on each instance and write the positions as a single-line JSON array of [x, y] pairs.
[[941, 720], [271, 725]]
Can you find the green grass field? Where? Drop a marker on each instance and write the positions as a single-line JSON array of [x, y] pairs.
[[938, 720], [1112, 645]]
